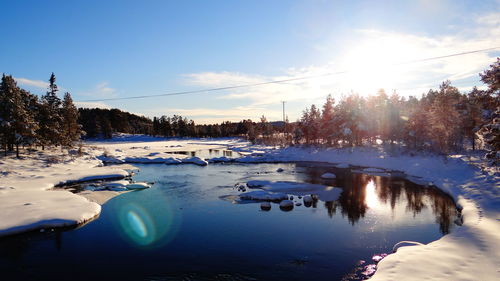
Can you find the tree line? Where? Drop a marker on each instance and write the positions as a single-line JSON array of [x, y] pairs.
[[442, 120], [102, 123], [26, 120]]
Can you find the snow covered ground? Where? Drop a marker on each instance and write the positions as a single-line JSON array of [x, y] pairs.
[[470, 252], [26, 201]]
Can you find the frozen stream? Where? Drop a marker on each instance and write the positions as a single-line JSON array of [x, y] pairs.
[[186, 227]]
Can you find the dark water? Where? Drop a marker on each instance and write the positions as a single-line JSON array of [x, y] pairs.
[[180, 229]]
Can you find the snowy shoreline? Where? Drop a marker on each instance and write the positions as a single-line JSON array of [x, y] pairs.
[[470, 252], [28, 201]]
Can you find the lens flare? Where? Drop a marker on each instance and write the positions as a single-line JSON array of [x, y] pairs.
[[137, 224], [148, 225]]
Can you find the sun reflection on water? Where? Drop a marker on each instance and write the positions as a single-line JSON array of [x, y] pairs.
[[371, 199]]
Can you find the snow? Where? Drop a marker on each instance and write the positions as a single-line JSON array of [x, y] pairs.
[[100, 197], [195, 160], [328, 176], [221, 159], [469, 252], [405, 244], [373, 170], [29, 210], [116, 185], [134, 149], [262, 195], [138, 185], [26, 201]]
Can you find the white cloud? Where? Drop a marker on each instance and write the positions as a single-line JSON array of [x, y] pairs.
[[32, 83], [220, 79], [492, 19], [101, 90]]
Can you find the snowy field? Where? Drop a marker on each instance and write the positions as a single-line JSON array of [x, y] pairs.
[[470, 252]]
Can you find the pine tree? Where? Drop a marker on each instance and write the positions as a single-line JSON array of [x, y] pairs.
[[17, 123], [71, 130], [416, 127], [303, 130], [350, 118], [472, 114], [7, 97], [490, 132], [382, 116], [491, 77], [314, 123], [106, 130], [396, 121], [444, 117], [264, 127], [156, 126], [327, 120], [50, 119], [31, 126]]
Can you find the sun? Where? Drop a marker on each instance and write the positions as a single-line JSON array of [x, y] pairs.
[[374, 65]]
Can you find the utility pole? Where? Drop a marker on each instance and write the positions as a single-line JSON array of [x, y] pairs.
[[284, 120], [283, 102]]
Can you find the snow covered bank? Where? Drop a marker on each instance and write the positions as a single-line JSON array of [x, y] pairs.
[[27, 201], [188, 151]]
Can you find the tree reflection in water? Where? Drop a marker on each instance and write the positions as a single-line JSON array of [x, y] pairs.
[[363, 192]]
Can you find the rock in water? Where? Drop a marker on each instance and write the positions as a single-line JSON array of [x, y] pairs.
[[265, 206], [138, 185], [286, 205], [257, 183], [279, 170], [308, 200]]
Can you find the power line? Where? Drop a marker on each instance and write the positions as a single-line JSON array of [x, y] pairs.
[[283, 80]]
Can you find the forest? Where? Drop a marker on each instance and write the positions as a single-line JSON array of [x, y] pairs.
[[26, 120], [443, 120]]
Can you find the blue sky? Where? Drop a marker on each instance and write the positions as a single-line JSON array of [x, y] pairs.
[[107, 49]]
